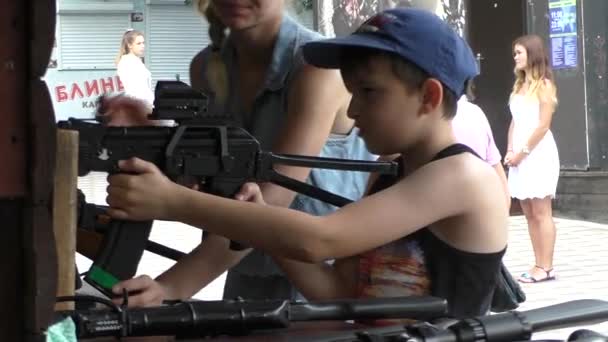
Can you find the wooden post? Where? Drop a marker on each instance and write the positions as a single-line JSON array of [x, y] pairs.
[[64, 213]]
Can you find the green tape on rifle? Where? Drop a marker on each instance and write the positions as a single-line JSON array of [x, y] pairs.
[[102, 277]]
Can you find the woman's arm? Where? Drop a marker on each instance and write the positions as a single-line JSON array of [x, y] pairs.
[[317, 98], [185, 278], [509, 155], [204, 264], [196, 70], [547, 108], [314, 102], [510, 137]]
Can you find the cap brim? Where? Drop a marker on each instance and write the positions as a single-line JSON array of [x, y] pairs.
[[328, 53]]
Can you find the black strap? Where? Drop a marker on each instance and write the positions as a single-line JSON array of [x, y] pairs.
[[452, 150], [385, 181]]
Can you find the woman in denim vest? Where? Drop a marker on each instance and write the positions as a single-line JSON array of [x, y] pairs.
[[257, 74]]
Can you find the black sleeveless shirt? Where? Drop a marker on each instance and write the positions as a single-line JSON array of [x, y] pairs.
[[422, 264]]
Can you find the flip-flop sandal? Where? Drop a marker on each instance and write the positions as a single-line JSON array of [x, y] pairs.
[[528, 278]]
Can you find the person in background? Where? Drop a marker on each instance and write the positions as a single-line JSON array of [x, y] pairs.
[[472, 128], [532, 154], [135, 77], [253, 70]]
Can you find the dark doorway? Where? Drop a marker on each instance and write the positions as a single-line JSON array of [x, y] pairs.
[[491, 27], [569, 123]]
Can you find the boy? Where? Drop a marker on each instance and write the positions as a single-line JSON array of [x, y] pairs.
[[435, 229]]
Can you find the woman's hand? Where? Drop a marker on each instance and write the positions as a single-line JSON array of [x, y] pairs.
[[124, 111], [513, 159], [141, 193], [508, 157], [250, 192], [143, 291]]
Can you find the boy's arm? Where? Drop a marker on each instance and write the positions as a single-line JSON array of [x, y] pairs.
[[321, 281], [414, 202]]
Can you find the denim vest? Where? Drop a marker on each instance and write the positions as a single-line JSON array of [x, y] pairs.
[[267, 117]]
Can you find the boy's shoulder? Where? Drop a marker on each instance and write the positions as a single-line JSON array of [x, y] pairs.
[[464, 171]]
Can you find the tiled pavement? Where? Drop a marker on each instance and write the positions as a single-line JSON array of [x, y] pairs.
[[581, 261]]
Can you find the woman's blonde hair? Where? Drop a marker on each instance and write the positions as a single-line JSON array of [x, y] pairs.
[[217, 74], [127, 39], [542, 83]]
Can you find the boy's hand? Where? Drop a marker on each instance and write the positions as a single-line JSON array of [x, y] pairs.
[[143, 291], [250, 192], [141, 193]]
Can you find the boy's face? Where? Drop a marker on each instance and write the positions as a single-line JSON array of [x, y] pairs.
[[384, 109]]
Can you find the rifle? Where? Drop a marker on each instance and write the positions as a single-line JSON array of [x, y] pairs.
[[202, 147], [507, 326], [239, 317]]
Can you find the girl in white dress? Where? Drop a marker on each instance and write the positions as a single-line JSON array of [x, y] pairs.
[[532, 154], [134, 75]]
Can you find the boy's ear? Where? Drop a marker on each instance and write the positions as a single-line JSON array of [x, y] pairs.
[[432, 95]]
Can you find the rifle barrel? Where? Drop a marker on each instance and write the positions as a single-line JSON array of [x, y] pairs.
[[418, 308]]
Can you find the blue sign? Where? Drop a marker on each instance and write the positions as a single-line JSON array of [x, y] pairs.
[[563, 33]]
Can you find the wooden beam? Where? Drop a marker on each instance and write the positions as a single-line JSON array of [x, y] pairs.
[[64, 213]]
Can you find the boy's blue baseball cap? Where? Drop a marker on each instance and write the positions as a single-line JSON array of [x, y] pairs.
[[417, 35]]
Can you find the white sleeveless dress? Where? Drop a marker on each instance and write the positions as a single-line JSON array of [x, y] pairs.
[[537, 174]]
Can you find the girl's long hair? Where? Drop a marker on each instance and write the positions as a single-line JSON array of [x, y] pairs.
[[217, 74], [537, 70], [127, 39]]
